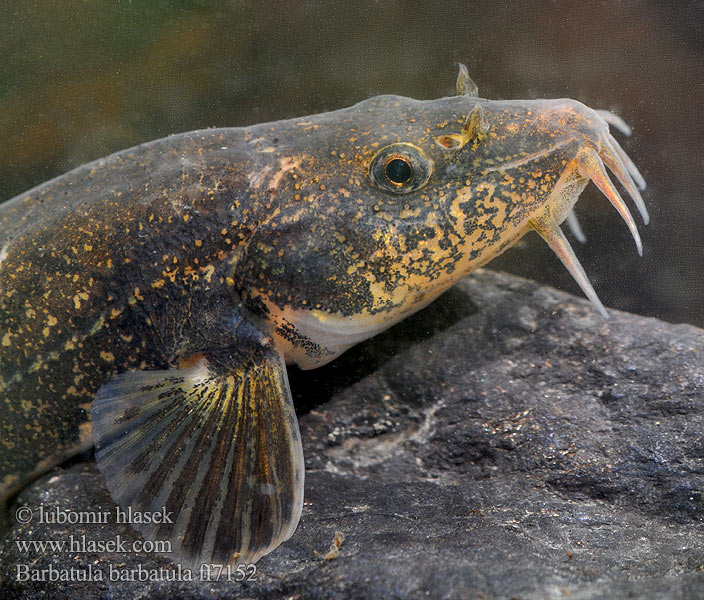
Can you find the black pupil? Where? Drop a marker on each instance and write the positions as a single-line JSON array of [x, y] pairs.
[[398, 171]]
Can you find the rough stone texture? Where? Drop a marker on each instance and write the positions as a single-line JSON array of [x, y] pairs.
[[523, 449]]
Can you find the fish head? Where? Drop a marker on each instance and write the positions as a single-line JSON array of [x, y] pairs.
[[385, 205]]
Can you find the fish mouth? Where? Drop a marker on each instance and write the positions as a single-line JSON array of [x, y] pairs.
[[594, 156]]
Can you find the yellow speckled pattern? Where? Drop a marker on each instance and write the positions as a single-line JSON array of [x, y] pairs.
[[319, 231]]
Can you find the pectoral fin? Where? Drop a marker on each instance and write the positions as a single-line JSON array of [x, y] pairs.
[[217, 451]]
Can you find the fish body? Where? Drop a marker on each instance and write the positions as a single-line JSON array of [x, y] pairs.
[[150, 300]]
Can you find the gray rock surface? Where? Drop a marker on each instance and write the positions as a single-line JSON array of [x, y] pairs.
[[507, 442]]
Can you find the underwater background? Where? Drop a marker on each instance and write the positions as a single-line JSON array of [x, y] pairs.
[[81, 79]]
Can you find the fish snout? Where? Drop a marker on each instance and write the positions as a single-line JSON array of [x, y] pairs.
[[597, 150], [597, 153]]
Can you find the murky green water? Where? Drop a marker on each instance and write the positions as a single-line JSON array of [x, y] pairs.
[[79, 80]]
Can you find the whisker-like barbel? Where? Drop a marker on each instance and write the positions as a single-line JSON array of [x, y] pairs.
[[592, 167], [316, 233], [630, 166], [615, 120], [615, 162], [553, 236], [575, 227]]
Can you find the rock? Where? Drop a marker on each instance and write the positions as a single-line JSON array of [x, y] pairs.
[[525, 449]]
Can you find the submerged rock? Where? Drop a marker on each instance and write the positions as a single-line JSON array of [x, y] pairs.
[[507, 442]]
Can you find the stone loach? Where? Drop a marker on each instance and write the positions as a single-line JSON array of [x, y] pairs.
[[506, 442]]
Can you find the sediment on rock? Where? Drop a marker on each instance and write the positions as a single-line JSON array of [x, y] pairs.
[[505, 442]]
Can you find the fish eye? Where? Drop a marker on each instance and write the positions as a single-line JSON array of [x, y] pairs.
[[400, 168], [398, 171]]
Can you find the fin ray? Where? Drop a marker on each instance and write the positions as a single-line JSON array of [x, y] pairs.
[[218, 451]]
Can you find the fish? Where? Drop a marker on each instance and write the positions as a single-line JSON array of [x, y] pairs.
[[151, 300]]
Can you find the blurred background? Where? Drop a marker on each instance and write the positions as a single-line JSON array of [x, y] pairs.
[[81, 79]]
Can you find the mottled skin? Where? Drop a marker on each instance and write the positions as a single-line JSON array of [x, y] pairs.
[[150, 257], [357, 258]]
